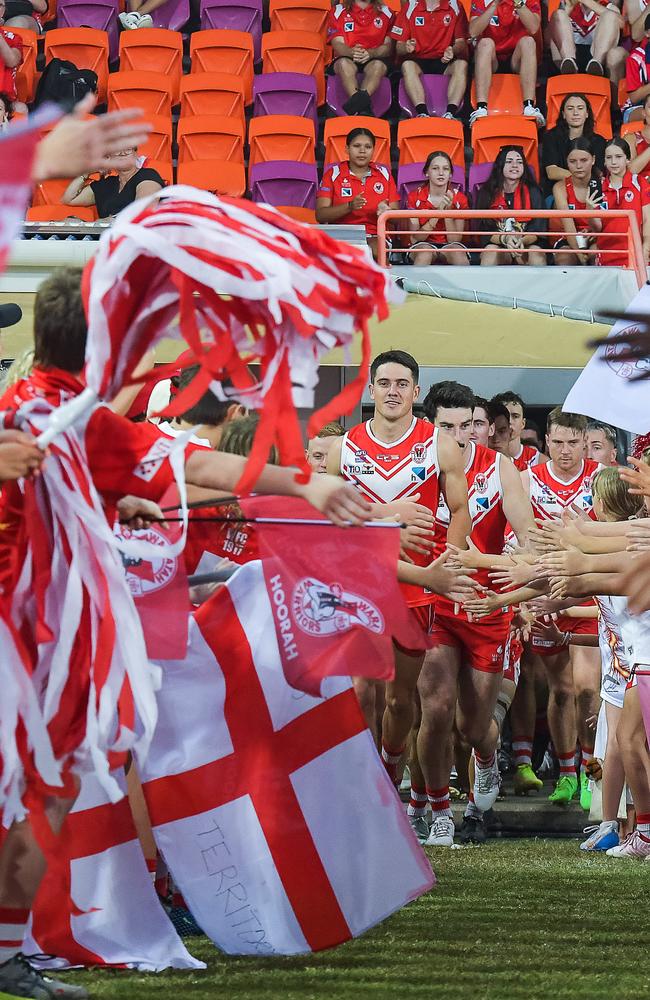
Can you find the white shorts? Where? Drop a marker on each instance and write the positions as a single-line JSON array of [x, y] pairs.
[[612, 689]]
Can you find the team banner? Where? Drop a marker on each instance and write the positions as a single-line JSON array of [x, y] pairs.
[[249, 792]]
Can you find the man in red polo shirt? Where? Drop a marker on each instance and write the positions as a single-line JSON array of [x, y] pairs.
[[431, 36], [11, 56], [359, 33], [504, 34]]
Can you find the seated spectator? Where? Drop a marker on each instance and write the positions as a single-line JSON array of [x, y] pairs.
[[114, 191], [504, 32], [636, 11], [639, 143], [584, 37], [6, 111], [636, 73], [575, 121], [357, 191], [580, 190], [25, 14], [511, 185], [433, 39], [623, 190], [440, 236], [11, 56], [138, 13], [361, 43]]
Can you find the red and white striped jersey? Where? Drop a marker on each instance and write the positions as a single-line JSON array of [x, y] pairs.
[[550, 495], [385, 472], [528, 455]]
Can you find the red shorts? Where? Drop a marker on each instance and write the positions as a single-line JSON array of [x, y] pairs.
[[423, 615], [579, 626], [483, 641]]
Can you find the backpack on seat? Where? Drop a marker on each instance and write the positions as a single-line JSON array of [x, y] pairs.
[[62, 83]]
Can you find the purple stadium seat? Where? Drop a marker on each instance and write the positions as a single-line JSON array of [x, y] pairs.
[[285, 94], [478, 174], [336, 97], [410, 177], [235, 15], [284, 182], [98, 14], [173, 15], [435, 88]]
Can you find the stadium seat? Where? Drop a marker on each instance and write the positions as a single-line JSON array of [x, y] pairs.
[[212, 94], [172, 15], [234, 15], [217, 176], [300, 15], [99, 14], [284, 183], [490, 134], [49, 192], [394, 5], [380, 101], [336, 130], [435, 87], [478, 174], [224, 52], [159, 143], [87, 48], [417, 137], [59, 213], [138, 89], [505, 96], [295, 52], [596, 88], [27, 75], [306, 215], [411, 176], [154, 50], [285, 94], [210, 137], [281, 137], [164, 168]]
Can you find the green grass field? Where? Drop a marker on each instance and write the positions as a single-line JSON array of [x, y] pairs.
[[514, 920]]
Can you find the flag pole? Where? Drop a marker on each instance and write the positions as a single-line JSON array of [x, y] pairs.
[[270, 520]]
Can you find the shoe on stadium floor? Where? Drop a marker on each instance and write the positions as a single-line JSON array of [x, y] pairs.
[[564, 791], [420, 828], [633, 847], [146, 21], [476, 114], [472, 831], [601, 837], [442, 832], [525, 780], [487, 781], [595, 68], [531, 111], [585, 791], [20, 979], [568, 66], [129, 20]]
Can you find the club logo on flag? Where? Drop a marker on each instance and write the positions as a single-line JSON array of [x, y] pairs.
[[322, 609], [625, 369], [419, 453], [481, 483], [143, 576]]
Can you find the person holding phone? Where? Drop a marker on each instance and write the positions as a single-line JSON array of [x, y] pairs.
[[440, 238], [582, 189], [622, 190]]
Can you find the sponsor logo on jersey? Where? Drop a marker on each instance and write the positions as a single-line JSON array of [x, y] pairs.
[[348, 26], [324, 609], [419, 22], [482, 503], [359, 469], [397, 31], [587, 501], [378, 187], [418, 474], [378, 22], [388, 458], [494, 21], [480, 482], [419, 453], [346, 192]]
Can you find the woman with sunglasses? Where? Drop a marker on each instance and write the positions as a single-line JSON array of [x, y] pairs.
[[115, 190], [511, 186], [575, 121], [438, 240], [580, 190], [622, 190]]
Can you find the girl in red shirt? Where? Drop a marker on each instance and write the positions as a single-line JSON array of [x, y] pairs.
[[361, 44], [639, 143], [442, 237], [580, 190], [622, 190], [511, 185]]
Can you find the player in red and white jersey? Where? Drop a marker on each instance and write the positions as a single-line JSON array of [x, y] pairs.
[[523, 455], [396, 460], [467, 659]]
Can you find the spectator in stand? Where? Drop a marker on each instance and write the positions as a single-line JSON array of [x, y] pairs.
[[357, 190], [582, 189], [361, 43], [583, 37], [318, 448], [482, 422], [504, 32], [138, 13], [511, 185], [636, 73], [431, 37], [636, 11], [601, 443], [438, 240], [6, 111], [575, 121], [11, 56], [622, 190], [25, 14], [639, 143], [115, 190]]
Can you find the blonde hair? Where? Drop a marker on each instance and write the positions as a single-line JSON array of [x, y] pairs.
[[615, 496], [20, 368], [238, 435], [333, 429]]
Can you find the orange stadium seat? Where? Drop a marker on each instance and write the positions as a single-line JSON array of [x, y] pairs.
[[281, 137], [627, 127], [417, 137], [59, 213], [210, 137], [27, 75], [217, 176], [135, 89], [298, 213], [300, 15], [596, 88], [212, 94], [505, 97], [164, 168], [336, 130], [491, 133], [154, 50], [220, 51], [394, 5], [158, 146], [49, 192], [87, 48], [295, 52]]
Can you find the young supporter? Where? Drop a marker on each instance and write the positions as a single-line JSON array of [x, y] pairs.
[[441, 238], [636, 12], [482, 422], [359, 32], [511, 186], [113, 192], [622, 190], [504, 34], [25, 14], [318, 447], [582, 189], [639, 143], [431, 37], [584, 37], [208, 416], [601, 443], [636, 69], [138, 13], [575, 121], [522, 455], [357, 190], [11, 56]]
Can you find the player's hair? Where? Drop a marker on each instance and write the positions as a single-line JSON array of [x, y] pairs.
[[238, 437], [563, 125], [356, 132], [431, 157], [377, 4], [208, 410], [60, 327], [450, 395], [498, 409], [614, 494], [482, 402], [607, 429], [508, 397], [331, 430], [558, 418], [620, 144], [396, 358]]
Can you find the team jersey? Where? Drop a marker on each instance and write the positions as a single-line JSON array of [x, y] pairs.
[[634, 194], [339, 184], [419, 198], [433, 30], [636, 69], [366, 26], [387, 472], [550, 496], [583, 19], [8, 73], [528, 455], [505, 27]]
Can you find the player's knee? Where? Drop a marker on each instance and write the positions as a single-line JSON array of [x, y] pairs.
[[562, 695], [399, 702]]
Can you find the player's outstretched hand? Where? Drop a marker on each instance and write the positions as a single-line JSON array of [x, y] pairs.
[[637, 478], [20, 456], [339, 501]]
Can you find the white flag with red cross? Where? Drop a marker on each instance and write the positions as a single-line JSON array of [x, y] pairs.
[[272, 808]]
